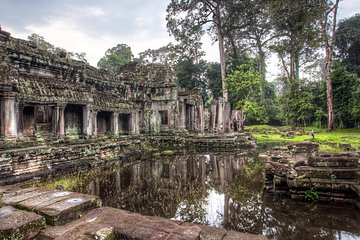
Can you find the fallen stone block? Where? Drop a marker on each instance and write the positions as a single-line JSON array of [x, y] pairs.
[[338, 161], [232, 235], [58, 207], [17, 224], [120, 224]]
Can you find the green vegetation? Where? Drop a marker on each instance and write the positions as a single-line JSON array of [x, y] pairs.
[[168, 152], [65, 183], [156, 154], [328, 141], [311, 195]]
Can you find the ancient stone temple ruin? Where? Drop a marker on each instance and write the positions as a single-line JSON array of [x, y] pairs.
[[48, 96]]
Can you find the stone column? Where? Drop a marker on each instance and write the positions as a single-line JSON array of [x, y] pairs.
[[8, 116], [182, 115], [220, 116], [193, 117], [114, 121], [201, 118], [94, 123], [19, 108], [227, 117], [62, 121], [55, 122], [87, 122], [136, 122], [92, 187], [117, 176], [132, 123], [212, 122]]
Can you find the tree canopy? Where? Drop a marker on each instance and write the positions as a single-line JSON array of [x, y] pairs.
[[116, 57]]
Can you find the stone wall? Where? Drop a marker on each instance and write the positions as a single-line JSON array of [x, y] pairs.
[[72, 95]]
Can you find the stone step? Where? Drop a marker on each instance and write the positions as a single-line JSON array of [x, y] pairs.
[[338, 161], [336, 198], [322, 183], [329, 173], [110, 223], [46, 127], [338, 154], [58, 207], [17, 224], [357, 177], [356, 189]]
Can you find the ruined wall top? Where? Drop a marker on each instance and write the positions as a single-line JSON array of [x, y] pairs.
[[37, 75]]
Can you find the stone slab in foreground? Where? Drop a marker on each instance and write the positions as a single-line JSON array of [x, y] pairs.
[[58, 207], [17, 224], [104, 223]]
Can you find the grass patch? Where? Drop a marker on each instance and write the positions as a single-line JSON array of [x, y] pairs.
[[168, 152], [328, 141], [66, 183]]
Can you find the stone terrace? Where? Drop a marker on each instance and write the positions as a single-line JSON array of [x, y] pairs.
[[62, 208]]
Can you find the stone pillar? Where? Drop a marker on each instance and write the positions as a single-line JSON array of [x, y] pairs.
[[92, 187], [114, 121], [94, 123], [55, 122], [62, 121], [132, 123], [117, 180], [227, 117], [193, 119], [87, 122], [182, 112], [220, 116], [135, 116], [97, 187], [8, 116], [201, 118], [212, 122], [19, 108]]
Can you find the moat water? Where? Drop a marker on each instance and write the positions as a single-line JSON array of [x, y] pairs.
[[217, 189]]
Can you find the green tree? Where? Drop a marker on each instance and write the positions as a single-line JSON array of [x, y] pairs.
[[213, 76], [297, 25], [244, 90], [190, 75], [348, 43], [346, 98], [329, 36], [250, 29], [298, 104], [42, 44], [188, 20], [115, 57]]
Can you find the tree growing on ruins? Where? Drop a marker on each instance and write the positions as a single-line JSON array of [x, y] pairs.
[[42, 44], [115, 57]]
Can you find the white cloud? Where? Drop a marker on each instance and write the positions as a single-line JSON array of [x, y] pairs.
[[95, 11], [93, 28]]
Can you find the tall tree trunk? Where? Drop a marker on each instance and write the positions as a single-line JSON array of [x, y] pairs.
[[329, 48], [297, 66], [292, 67], [222, 52], [262, 62]]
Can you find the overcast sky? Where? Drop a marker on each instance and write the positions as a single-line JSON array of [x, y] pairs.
[[93, 26]]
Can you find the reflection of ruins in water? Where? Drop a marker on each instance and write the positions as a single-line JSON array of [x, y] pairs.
[[171, 185], [219, 190]]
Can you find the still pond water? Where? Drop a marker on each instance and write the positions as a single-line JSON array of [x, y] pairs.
[[223, 190]]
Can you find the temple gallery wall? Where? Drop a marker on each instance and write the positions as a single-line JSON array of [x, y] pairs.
[[45, 95]]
